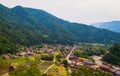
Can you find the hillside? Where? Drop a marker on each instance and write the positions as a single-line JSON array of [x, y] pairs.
[[27, 26], [113, 26]]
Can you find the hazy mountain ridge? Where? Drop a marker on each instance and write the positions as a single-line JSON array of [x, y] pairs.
[[113, 25]]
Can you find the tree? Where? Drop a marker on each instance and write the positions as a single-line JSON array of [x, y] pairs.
[[65, 63], [84, 71], [58, 57], [113, 57]]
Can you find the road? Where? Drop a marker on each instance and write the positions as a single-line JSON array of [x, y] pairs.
[[68, 56]]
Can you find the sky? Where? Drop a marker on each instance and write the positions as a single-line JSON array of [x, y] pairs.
[[81, 11]]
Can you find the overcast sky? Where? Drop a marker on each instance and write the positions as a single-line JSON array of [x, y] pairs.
[[82, 11]]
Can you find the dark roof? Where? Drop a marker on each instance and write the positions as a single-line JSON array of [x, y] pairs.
[[117, 73], [113, 70], [105, 66]]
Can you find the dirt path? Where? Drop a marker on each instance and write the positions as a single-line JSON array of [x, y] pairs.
[[49, 68]]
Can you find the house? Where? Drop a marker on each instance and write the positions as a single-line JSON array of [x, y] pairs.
[[77, 61], [15, 56], [113, 70], [88, 62], [6, 57], [117, 73], [22, 53], [74, 66], [72, 57], [105, 67], [29, 53]]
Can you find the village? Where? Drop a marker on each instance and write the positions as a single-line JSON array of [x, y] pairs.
[[67, 53]]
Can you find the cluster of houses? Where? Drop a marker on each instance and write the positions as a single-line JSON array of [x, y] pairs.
[[108, 68], [26, 52], [75, 62]]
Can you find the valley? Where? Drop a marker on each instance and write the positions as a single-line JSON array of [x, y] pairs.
[[34, 42]]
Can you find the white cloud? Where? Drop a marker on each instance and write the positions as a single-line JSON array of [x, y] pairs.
[[83, 11]]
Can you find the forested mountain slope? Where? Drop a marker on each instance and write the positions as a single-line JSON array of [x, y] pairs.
[[27, 26]]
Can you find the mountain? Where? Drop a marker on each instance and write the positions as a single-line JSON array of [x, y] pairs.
[[28, 26], [113, 26]]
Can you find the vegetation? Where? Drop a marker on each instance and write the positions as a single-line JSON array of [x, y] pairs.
[[47, 57], [65, 63], [113, 57], [27, 71], [18, 61], [23, 64], [84, 71], [58, 57], [27, 26], [6, 46], [87, 53], [44, 65], [57, 70]]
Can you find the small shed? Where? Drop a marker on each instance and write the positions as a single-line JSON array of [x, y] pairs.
[[12, 68]]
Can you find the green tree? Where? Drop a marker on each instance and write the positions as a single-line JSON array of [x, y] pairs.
[[58, 57], [113, 57], [65, 63], [84, 71]]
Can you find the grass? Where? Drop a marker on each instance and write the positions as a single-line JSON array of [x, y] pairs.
[[44, 65], [22, 60], [2, 61], [53, 71], [55, 54], [57, 70], [27, 70], [62, 71], [24, 66], [4, 64]]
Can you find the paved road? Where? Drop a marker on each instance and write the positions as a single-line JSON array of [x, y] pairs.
[[68, 56]]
